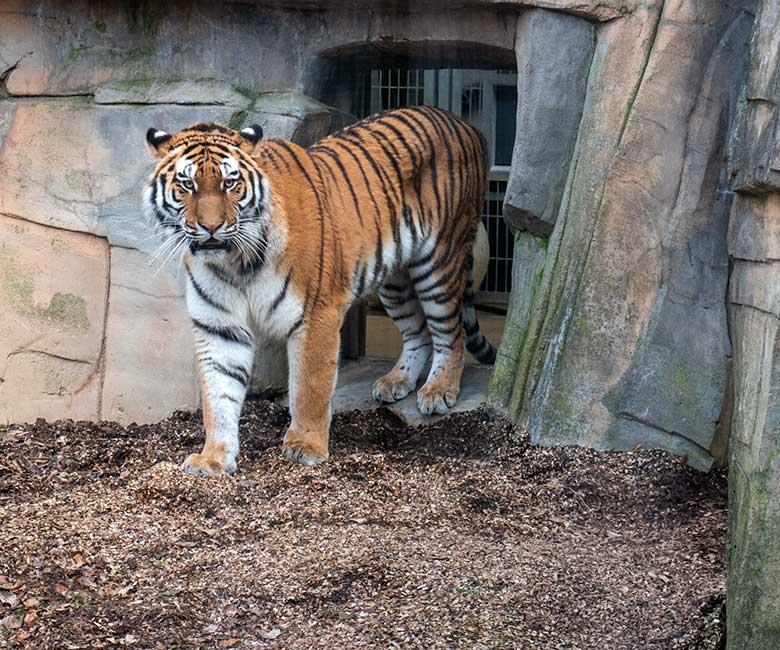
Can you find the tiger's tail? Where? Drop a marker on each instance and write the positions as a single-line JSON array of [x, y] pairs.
[[476, 343]]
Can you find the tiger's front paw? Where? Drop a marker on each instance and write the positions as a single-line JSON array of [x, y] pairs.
[[208, 465], [305, 449], [392, 387]]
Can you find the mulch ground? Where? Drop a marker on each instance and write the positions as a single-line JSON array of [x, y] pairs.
[[456, 535]]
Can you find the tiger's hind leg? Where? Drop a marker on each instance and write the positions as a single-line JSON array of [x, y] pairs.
[[401, 304], [439, 285]]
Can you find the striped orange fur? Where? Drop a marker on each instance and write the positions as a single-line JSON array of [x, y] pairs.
[[279, 241]]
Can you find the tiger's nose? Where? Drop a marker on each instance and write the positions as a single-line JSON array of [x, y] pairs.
[[212, 225]]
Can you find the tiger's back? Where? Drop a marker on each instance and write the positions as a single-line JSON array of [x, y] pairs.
[[397, 191]]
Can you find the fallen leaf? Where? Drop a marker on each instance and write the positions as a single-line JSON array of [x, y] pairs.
[[116, 590], [61, 588], [12, 622], [22, 636], [7, 598], [228, 643], [129, 639], [29, 617], [31, 602], [78, 560], [273, 634], [210, 629]]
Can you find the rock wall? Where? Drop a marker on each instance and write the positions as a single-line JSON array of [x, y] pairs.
[[628, 341], [754, 242]]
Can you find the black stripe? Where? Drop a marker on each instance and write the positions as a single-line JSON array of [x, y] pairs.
[[425, 293], [416, 162], [320, 214], [377, 260], [234, 372], [281, 296], [334, 156], [275, 155], [221, 274], [267, 156], [472, 161], [443, 319], [441, 299], [464, 167], [392, 287], [230, 334], [435, 266], [395, 202], [361, 287], [415, 114], [434, 121], [423, 260], [298, 323], [410, 122], [444, 331], [202, 293]]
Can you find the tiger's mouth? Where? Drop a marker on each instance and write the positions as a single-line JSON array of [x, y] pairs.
[[210, 245]]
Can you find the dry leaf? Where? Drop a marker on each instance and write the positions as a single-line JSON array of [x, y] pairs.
[[7, 598], [116, 590], [78, 560], [228, 643], [31, 602], [29, 617], [273, 634], [210, 629], [61, 588], [22, 636], [12, 622]]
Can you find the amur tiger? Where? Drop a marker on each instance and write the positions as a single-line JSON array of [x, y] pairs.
[[279, 241]]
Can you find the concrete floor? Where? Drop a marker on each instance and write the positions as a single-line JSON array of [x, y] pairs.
[[356, 378]]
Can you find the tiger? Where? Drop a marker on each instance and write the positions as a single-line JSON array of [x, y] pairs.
[[277, 242]]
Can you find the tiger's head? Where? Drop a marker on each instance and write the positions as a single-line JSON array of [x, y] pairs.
[[207, 192]]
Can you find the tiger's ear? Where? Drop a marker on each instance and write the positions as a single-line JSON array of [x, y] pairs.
[[159, 142], [251, 135]]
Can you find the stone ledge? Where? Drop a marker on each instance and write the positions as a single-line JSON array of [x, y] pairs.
[[599, 10], [160, 91]]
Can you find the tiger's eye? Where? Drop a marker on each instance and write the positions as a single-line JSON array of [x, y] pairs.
[[229, 182], [188, 185]]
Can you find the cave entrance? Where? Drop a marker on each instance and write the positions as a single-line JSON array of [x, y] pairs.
[[477, 83]]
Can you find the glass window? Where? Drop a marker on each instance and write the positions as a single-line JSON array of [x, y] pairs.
[[506, 111]]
